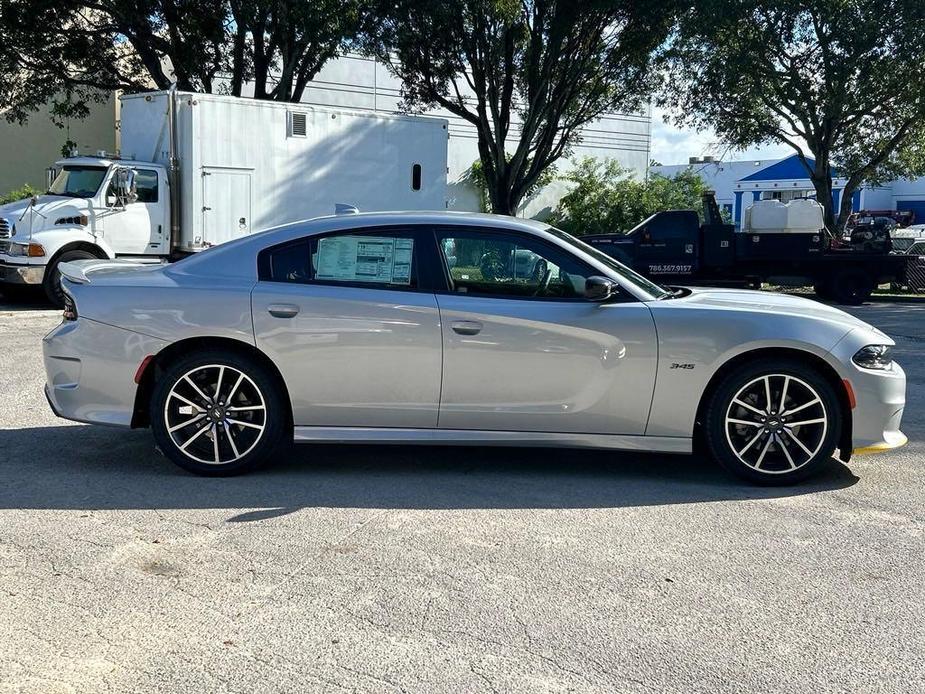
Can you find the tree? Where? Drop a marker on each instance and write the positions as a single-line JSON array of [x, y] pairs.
[[606, 198], [527, 74], [74, 51], [844, 80], [294, 38]]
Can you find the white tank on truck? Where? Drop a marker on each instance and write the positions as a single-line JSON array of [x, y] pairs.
[[196, 170], [800, 216]]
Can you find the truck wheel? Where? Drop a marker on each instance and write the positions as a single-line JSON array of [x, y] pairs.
[[52, 283], [776, 421], [851, 287], [823, 290], [217, 413]]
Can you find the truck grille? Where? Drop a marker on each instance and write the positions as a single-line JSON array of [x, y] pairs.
[[5, 228], [4, 246]]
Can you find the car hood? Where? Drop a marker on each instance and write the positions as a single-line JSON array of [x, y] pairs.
[[770, 303]]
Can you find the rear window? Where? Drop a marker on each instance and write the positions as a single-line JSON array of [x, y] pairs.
[[356, 259]]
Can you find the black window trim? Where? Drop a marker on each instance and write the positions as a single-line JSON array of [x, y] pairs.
[[418, 232], [446, 289]]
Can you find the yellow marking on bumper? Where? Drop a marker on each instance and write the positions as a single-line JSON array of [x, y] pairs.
[[901, 441]]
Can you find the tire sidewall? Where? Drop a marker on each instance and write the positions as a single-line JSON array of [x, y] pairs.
[[715, 420], [275, 412], [52, 281]]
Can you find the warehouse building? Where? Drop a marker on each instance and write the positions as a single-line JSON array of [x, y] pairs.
[[738, 184], [355, 82]]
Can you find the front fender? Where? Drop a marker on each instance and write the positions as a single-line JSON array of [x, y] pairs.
[[695, 344], [55, 241]]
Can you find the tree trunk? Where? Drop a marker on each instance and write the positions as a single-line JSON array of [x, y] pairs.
[[501, 192], [821, 177], [844, 207]]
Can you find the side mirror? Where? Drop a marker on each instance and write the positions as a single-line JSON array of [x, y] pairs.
[[124, 186], [600, 288]]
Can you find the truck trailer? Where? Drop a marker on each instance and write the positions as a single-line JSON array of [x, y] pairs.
[[196, 170], [779, 244]]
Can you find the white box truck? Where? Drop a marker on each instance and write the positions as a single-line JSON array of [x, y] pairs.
[[196, 170]]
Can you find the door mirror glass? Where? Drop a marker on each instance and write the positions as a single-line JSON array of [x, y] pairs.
[[124, 187], [599, 288]]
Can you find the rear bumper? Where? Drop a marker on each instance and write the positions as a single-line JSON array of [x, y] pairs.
[[11, 273], [90, 370]]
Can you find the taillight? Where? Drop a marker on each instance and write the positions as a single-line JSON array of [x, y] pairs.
[[70, 308]]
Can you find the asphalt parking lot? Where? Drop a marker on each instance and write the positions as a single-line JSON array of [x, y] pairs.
[[374, 569]]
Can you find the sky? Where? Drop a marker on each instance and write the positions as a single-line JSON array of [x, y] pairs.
[[672, 145]]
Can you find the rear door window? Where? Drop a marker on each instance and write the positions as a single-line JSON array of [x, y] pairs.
[[381, 258]]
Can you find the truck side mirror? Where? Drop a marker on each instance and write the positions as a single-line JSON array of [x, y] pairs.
[[124, 186], [600, 288]]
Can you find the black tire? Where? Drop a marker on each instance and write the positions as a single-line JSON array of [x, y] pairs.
[[247, 449], [851, 287], [766, 460], [52, 282], [823, 291]]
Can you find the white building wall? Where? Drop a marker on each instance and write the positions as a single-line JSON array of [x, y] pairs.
[[26, 151], [359, 82]]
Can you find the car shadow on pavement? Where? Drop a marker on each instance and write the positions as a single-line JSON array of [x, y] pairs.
[[91, 467], [31, 301]]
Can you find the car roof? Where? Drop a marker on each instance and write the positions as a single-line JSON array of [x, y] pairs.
[[234, 253], [241, 253], [338, 221]]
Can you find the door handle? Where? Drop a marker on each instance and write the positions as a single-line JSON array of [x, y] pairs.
[[466, 327], [283, 310]]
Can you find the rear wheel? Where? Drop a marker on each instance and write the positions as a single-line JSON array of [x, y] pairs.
[[823, 291], [851, 287], [52, 282], [776, 422], [217, 413]]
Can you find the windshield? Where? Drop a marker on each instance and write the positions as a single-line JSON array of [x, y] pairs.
[[78, 181], [634, 278]]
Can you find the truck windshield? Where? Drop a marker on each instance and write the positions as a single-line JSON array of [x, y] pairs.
[[641, 283], [77, 181]]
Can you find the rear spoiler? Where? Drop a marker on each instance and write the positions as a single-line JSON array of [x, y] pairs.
[[79, 271]]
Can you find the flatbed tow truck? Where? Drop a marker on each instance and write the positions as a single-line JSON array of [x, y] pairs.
[[673, 247]]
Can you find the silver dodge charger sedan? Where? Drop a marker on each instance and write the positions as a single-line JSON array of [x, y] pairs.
[[448, 328]]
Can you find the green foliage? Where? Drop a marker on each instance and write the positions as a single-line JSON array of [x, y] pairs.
[[846, 80], [527, 75], [475, 176], [607, 198], [26, 191], [72, 52]]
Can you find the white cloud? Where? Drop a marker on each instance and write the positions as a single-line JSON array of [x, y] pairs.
[[672, 145]]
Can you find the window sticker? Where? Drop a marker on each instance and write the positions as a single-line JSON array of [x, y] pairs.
[[365, 259]]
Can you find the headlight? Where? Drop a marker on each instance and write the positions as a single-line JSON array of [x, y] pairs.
[[27, 250], [879, 357], [78, 220]]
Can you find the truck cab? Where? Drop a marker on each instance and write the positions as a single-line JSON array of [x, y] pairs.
[[95, 207]]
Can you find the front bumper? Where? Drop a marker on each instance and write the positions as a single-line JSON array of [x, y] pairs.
[[11, 273], [881, 399], [90, 369]]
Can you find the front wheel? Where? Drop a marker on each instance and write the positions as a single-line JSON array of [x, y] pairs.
[[775, 422], [52, 282], [217, 413]]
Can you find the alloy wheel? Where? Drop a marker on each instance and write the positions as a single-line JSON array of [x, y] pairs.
[[215, 414], [776, 423]]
